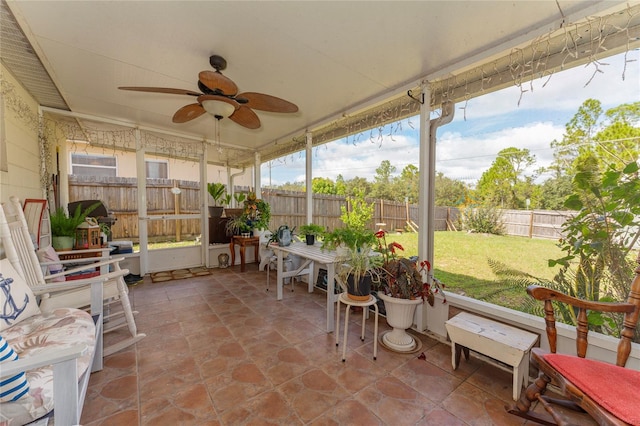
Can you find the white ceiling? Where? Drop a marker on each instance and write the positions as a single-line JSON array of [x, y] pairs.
[[330, 58]]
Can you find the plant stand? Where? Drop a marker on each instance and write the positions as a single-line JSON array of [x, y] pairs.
[[371, 301], [399, 314]]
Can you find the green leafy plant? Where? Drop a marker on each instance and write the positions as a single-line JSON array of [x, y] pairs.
[[239, 197], [358, 262], [597, 242], [360, 214], [311, 229], [63, 225], [483, 220], [237, 225], [257, 212], [218, 193], [348, 237], [402, 277]]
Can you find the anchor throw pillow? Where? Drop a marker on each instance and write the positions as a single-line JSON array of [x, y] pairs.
[[17, 301], [11, 387]]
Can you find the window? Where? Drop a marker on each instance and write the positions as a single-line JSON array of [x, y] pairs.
[[157, 169], [93, 165]]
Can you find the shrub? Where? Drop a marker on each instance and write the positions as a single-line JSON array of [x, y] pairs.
[[483, 220]]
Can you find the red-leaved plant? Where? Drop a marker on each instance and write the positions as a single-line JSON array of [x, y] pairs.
[[401, 277]]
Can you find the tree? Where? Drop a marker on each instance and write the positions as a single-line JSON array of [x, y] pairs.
[[579, 133], [321, 185], [504, 184], [382, 187], [293, 186], [406, 185], [341, 186], [612, 137], [357, 185], [554, 191], [449, 192]]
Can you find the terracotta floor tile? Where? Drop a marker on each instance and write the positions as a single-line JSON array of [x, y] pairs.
[[312, 393], [388, 397], [477, 407], [221, 350], [433, 382], [267, 408], [237, 383]]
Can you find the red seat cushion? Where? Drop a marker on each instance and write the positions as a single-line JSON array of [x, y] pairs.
[[614, 388]]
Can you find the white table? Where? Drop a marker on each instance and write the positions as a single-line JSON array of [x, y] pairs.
[[496, 340], [310, 255]]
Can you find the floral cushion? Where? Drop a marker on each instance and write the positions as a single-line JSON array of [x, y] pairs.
[[39, 334], [16, 297], [14, 387]]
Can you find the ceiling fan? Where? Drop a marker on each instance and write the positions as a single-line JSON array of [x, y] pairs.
[[219, 96]]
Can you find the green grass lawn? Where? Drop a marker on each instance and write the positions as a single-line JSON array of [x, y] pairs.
[[461, 262]]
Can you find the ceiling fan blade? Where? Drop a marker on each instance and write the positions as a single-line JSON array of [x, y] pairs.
[[217, 81], [263, 102], [245, 116], [188, 113], [161, 90]]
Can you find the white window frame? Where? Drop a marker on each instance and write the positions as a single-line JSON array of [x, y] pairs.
[[147, 162], [91, 166]]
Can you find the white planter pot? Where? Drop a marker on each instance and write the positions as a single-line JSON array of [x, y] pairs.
[[400, 314]]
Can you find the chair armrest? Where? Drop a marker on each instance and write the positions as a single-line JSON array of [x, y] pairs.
[[42, 359], [109, 262], [69, 285], [543, 293]]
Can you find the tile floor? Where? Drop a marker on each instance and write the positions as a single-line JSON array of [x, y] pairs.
[[220, 350]]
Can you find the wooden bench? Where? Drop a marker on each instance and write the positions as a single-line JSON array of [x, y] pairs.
[[499, 341]]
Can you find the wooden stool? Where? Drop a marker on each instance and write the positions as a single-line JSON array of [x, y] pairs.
[[365, 309]]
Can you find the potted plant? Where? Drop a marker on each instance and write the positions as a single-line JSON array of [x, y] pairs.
[[238, 225], [218, 193], [63, 226], [403, 285], [257, 212], [239, 198], [310, 232], [358, 271], [348, 238]]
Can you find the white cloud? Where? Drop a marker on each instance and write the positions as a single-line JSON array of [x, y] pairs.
[[465, 158], [465, 149], [566, 90]]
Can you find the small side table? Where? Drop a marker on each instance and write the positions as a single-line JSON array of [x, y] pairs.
[[243, 242], [499, 341], [343, 298]]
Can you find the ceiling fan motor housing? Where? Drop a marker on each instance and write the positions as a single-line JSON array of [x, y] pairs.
[[217, 62]]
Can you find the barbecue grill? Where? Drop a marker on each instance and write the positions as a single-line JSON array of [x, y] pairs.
[[101, 213]]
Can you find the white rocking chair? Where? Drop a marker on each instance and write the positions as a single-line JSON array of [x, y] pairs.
[[115, 289]]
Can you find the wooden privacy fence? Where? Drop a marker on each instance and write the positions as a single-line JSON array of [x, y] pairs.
[[287, 207]]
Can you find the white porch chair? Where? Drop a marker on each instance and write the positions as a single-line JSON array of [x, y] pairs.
[[115, 289]]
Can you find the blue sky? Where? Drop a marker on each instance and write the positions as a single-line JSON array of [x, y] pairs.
[[469, 144]]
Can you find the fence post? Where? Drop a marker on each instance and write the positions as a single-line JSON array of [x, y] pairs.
[[531, 225]]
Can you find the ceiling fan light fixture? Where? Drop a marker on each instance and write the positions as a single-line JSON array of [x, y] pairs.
[[217, 107]]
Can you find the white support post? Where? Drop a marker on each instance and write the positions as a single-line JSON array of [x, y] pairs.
[[426, 196], [204, 205], [143, 232], [257, 181], [309, 177]]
